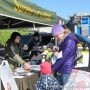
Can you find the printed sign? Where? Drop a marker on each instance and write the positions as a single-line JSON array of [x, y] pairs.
[[7, 77], [85, 30]]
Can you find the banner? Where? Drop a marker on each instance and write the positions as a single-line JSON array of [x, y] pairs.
[[26, 10], [7, 77]]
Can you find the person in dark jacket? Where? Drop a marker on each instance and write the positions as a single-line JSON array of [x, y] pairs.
[[67, 52], [35, 47], [35, 42], [13, 50]]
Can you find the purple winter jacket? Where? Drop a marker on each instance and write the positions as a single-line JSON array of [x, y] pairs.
[[68, 47]]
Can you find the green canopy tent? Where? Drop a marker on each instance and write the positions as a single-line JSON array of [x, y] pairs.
[[20, 13]]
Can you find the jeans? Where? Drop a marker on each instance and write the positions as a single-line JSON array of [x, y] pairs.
[[62, 79]]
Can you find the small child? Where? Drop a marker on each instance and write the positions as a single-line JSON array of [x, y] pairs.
[[48, 52], [46, 81]]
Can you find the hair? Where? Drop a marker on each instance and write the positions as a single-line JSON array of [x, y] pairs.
[[14, 35], [67, 28], [50, 45], [36, 34]]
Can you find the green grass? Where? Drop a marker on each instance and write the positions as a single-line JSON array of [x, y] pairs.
[[6, 33]]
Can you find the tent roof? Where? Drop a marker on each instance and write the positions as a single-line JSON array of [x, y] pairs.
[[17, 13]]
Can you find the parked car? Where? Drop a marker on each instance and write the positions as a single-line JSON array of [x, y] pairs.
[[45, 37]]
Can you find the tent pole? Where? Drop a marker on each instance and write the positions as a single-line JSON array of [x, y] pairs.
[[33, 27], [8, 23], [55, 41]]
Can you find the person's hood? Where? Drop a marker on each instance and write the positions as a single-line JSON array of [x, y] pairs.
[[72, 35]]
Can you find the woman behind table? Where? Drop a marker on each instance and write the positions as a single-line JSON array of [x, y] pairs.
[[13, 51], [67, 52], [46, 81]]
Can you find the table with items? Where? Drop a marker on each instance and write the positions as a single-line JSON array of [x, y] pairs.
[[25, 79], [26, 82]]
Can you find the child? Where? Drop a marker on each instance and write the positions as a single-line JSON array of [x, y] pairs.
[[48, 52], [46, 81], [50, 55]]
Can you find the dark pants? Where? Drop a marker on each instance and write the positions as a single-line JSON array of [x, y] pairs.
[[34, 53]]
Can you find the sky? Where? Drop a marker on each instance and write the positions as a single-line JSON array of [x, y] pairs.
[[65, 8]]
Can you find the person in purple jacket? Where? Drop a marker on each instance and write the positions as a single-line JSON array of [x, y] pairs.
[[67, 52]]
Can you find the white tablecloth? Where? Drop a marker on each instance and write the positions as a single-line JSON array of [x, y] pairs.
[[79, 80]]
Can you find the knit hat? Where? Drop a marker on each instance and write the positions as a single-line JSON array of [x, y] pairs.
[[50, 45], [56, 29], [46, 68]]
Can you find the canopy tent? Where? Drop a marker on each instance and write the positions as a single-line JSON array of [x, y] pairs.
[[15, 13]]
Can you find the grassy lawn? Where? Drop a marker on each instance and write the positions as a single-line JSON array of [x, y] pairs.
[[5, 34]]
